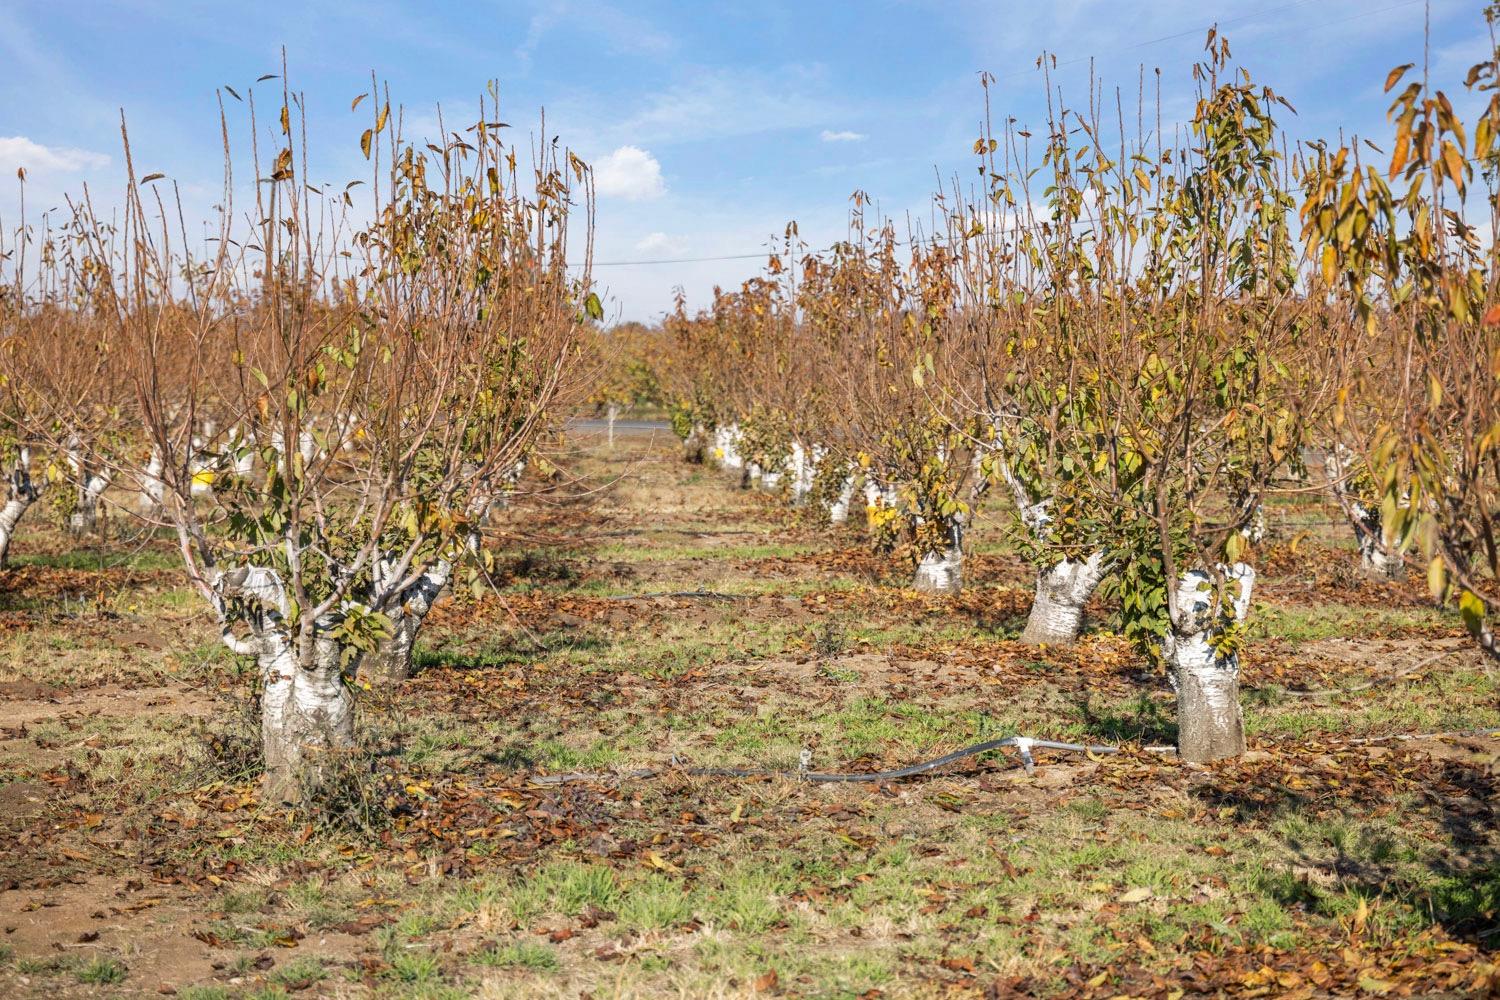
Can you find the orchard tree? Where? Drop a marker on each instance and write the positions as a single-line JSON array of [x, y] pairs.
[[1413, 244], [1030, 270], [1198, 373], [355, 400], [886, 334], [62, 395]]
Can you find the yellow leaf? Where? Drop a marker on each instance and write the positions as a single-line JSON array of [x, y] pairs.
[[1454, 161]]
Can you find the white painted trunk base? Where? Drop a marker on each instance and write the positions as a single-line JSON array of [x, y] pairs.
[[1376, 561], [10, 516], [306, 708], [838, 511], [20, 495], [391, 661], [1210, 725], [85, 518], [1061, 593], [304, 713], [940, 572]]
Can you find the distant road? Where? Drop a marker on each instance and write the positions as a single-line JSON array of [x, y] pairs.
[[593, 425]]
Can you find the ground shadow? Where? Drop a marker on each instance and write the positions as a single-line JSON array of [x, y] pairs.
[[1458, 882]]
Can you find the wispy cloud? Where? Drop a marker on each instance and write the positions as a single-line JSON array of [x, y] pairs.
[[630, 173], [830, 135], [724, 103], [620, 29], [660, 244], [19, 152]]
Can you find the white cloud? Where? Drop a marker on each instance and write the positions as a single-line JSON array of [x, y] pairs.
[[842, 136], [630, 173], [17, 151], [660, 244]]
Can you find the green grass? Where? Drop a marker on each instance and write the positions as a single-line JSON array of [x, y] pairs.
[[101, 972], [519, 955]]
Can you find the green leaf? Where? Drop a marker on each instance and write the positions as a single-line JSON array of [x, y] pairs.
[[594, 307]]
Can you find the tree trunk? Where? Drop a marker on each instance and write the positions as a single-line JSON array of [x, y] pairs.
[[391, 661], [85, 517], [306, 713], [942, 572], [153, 487], [1255, 532], [732, 460], [1205, 674], [1061, 592], [10, 515], [695, 444], [803, 470], [613, 413], [19, 498], [838, 511], [1375, 560]]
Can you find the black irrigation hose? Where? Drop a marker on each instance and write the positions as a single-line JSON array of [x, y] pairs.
[[1022, 743]]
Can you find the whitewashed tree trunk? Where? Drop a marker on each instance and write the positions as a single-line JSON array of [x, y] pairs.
[[1376, 560], [20, 495], [878, 495], [1255, 532], [942, 572], [509, 481], [307, 446], [85, 517], [1061, 593], [91, 484], [1210, 725], [306, 708], [722, 446], [612, 413], [391, 661], [770, 479], [1062, 589], [153, 487], [838, 510], [803, 470], [733, 459]]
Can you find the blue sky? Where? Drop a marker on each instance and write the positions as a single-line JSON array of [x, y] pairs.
[[711, 124]]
